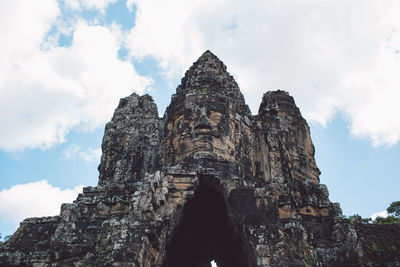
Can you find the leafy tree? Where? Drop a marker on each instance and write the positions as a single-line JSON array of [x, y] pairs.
[[394, 214], [388, 220], [355, 219], [394, 208], [366, 220]]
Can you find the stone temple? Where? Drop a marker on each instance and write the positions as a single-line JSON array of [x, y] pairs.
[[208, 181]]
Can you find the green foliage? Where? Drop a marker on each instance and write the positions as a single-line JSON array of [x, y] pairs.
[[394, 215], [388, 220], [375, 248], [394, 208], [366, 220], [354, 218]]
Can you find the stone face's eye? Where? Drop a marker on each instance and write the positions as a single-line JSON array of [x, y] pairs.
[[215, 117], [218, 116], [208, 114], [179, 122]]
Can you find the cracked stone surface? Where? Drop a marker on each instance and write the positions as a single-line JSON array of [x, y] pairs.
[[207, 181]]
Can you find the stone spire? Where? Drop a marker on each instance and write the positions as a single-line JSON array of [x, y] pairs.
[[131, 141], [282, 122], [208, 75], [208, 78]]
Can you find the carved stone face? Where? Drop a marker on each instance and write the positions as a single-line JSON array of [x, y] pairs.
[[202, 124]]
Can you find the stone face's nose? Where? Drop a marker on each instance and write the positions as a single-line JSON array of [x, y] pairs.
[[203, 123]]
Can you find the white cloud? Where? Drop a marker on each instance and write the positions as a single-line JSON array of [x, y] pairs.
[[340, 56], [174, 38], [89, 4], [74, 151], [383, 214], [34, 200], [23, 26], [332, 56], [44, 93]]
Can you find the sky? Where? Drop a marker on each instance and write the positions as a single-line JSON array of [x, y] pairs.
[[64, 65]]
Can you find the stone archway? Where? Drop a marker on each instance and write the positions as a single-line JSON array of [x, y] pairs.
[[207, 232]]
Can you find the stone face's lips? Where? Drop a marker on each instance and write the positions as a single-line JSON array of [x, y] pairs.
[[203, 128], [208, 131]]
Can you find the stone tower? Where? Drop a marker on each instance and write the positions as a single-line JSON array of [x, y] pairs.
[[208, 181]]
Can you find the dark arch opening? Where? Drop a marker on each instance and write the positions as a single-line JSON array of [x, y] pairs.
[[207, 232]]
